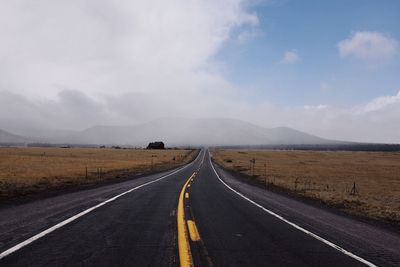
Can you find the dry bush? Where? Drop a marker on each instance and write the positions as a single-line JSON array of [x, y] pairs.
[[28, 170], [328, 176]]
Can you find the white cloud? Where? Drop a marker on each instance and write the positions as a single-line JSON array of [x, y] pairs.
[[115, 47], [73, 64], [290, 57], [379, 103], [376, 121], [315, 106], [371, 46]]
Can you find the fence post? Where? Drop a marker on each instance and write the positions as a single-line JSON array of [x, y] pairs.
[[353, 190]]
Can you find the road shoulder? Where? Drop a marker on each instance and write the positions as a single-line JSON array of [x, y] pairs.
[[364, 239]]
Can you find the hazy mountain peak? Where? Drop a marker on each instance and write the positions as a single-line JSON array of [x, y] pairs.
[[198, 131], [181, 131]]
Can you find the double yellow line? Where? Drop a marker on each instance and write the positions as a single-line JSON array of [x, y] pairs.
[[185, 255]]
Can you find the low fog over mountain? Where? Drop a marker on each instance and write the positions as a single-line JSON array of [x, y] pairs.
[[180, 131], [6, 137]]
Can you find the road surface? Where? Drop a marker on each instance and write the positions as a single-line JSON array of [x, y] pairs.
[[197, 214]]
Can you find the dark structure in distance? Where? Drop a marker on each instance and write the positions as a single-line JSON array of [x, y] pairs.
[[156, 145]]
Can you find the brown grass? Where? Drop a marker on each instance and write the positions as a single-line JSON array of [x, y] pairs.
[[29, 170], [328, 176]]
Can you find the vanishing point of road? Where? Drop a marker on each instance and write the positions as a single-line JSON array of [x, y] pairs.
[[195, 215]]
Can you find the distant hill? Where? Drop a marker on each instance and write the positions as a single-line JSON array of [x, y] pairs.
[[6, 137], [180, 131], [188, 132]]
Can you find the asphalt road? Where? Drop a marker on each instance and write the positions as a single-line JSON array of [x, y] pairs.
[[216, 226]]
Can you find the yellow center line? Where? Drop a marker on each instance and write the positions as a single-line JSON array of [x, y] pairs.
[[185, 255], [193, 232]]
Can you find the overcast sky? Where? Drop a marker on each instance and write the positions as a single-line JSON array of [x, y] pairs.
[[330, 68]]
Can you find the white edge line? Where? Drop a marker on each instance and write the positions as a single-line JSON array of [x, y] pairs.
[[73, 218], [348, 253]]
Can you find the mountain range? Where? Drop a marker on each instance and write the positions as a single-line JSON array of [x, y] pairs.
[[178, 132]]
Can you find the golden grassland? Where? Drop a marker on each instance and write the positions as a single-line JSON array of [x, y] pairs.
[[29, 170], [328, 176]]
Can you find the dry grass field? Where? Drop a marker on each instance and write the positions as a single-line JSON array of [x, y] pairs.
[[328, 176], [29, 170]]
